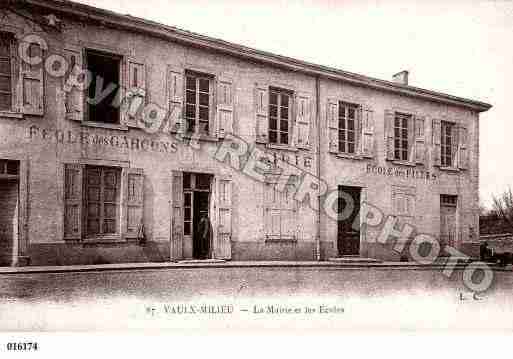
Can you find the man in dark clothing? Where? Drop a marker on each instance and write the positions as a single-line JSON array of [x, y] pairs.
[[202, 236]]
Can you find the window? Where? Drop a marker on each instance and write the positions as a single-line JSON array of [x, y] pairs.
[[447, 200], [106, 67], [403, 201], [279, 116], [347, 114], [448, 143], [102, 200], [198, 102], [6, 88], [9, 167], [401, 136], [280, 212]]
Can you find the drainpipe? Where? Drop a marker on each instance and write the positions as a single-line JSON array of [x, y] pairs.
[[318, 121]]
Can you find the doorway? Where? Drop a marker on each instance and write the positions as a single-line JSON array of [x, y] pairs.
[[8, 220], [197, 218], [448, 206], [348, 235]]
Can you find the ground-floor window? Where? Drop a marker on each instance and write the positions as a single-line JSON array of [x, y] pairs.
[[102, 200], [280, 211]]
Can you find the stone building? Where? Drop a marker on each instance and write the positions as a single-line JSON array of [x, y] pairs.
[[121, 137]]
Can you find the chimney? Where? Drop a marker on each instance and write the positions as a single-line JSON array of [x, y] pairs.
[[401, 77]]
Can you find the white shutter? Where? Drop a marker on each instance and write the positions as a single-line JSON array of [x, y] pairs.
[[367, 132], [175, 90], [455, 146], [133, 194], [389, 134], [32, 84], [136, 91], [222, 245], [302, 129], [176, 250], [225, 100], [437, 138], [288, 213], [463, 160], [261, 113], [420, 143], [74, 98], [332, 122]]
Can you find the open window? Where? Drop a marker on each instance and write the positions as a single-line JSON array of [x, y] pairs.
[[6, 73], [105, 70]]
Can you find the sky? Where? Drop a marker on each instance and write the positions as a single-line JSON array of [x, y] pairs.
[[459, 47]]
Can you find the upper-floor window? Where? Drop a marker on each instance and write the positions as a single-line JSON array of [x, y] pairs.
[[6, 88], [280, 102], [347, 121], [402, 143], [105, 68], [198, 102], [449, 144]]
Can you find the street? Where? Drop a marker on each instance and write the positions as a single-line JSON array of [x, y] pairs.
[[252, 297]]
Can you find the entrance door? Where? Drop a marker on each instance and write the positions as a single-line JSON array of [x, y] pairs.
[[201, 241], [448, 205], [348, 238], [8, 220]]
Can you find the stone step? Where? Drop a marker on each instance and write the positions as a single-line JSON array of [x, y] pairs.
[[200, 261], [354, 260]]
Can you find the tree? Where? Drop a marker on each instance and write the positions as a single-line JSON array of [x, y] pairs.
[[503, 206]]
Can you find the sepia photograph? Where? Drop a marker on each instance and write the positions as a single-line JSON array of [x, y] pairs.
[[323, 166]]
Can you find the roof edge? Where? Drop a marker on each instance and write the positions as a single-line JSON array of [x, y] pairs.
[[175, 34]]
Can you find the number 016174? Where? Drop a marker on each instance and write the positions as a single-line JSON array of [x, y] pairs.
[[22, 347]]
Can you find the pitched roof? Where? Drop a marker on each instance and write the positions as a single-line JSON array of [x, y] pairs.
[[171, 33]]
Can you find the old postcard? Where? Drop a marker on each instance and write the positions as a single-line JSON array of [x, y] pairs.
[[239, 166]]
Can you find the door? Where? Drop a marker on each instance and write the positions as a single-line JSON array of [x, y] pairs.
[[201, 242], [348, 238], [448, 205], [8, 220]]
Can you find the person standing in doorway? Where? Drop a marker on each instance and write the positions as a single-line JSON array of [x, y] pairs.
[[203, 234]]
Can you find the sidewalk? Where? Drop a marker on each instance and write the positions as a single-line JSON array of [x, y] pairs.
[[226, 264]]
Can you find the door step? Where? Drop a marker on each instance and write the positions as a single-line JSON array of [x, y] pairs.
[[201, 261], [354, 260]]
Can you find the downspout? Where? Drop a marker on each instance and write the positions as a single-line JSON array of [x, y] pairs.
[[318, 121]]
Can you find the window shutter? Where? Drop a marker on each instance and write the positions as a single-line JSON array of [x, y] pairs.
[[222, 247], [32, 84], [302, 129], [133, 193], [437, 138], [332, 119], [288, 213], [74, 100], [225, 99], [411, 138], [389, 134], [176, 252], [262, 113], [136, 91], [73, 176], [420, 146], [367, 132], [463, 150], [175, 88]]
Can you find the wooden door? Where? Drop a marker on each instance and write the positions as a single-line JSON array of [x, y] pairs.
[[348, 238]]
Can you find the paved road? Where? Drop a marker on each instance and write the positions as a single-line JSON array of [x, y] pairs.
[[351, 298]]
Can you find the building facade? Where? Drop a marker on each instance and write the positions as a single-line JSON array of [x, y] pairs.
[[124, 140]]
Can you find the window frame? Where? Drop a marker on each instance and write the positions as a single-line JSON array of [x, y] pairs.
[[101, 217], [278, 118], [198, 76], [448, 151], [357, 108], [11, 38], [121, 82], [404, 152]]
